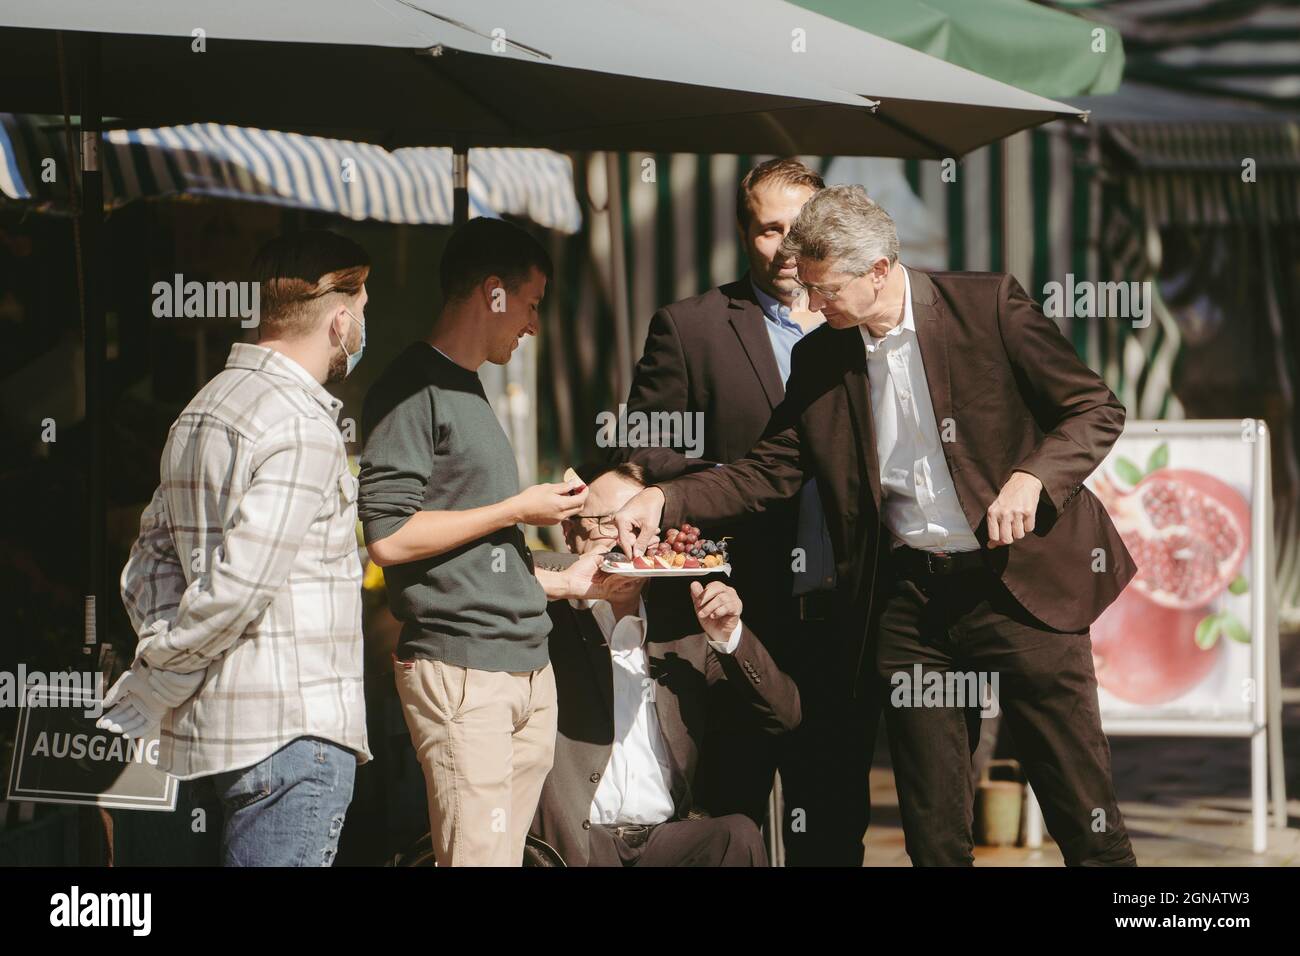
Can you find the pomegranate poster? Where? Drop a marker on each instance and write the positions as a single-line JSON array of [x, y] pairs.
[[1177, 642]]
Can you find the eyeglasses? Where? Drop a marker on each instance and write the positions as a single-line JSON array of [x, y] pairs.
[[830, 295], [604, 525]]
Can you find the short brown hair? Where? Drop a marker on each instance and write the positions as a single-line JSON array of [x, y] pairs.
[[486, 247], [629, 470], [295, 270], [783, 171]]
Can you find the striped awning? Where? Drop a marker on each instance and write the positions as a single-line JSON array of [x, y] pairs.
[[1245, 49], [1201, 174], [355, 180]]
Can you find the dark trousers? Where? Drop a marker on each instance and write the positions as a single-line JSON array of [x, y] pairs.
[[968, 624], [825, 763], [708, 841]]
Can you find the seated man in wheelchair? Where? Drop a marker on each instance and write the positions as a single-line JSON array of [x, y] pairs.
[[638, 674]]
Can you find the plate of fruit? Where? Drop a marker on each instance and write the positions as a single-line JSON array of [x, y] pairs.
[[682, 552]]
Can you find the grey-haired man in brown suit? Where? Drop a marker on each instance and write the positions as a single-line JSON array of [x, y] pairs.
[[950, 427]]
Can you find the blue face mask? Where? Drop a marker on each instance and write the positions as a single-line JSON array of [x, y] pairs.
[[354, 357]]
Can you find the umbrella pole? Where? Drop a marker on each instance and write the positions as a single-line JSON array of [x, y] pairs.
[[459, 183], [618, 276], [95, 845]]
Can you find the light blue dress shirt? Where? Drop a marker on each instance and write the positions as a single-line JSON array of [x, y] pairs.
[[813, 536]]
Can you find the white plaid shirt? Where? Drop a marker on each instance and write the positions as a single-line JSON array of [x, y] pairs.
[[246, 566]]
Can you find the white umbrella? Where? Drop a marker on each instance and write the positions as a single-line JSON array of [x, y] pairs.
[[754, 76]]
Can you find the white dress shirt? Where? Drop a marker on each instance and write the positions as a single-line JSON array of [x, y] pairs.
[[637, 785], [919, 501]]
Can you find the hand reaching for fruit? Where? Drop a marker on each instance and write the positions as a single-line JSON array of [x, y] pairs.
[[638, 520], [548, 503], [584, 580], [718, 608]]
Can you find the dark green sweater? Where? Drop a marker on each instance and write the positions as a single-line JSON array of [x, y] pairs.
[[433, 443]]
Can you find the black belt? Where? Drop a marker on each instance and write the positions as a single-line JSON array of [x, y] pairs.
[[633, 834], [816, 605], [912, 562]]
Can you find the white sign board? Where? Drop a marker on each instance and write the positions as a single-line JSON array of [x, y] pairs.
[[1190, 647], [1178, 644]]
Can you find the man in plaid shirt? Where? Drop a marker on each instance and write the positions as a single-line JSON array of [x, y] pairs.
[[244, 584]]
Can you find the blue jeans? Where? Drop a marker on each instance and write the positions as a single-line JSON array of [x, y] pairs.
[[287, 810]]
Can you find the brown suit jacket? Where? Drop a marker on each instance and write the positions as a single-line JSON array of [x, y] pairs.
[[1020, 400], [684, 668]]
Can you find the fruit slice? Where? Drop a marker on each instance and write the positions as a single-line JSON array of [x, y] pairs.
[[1147, 654], [642, 563], [571, 476], [662, 562], [1188, 532]]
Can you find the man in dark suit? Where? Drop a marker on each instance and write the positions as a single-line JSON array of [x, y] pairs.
[[950, 427], [637, 674], [725, 356]]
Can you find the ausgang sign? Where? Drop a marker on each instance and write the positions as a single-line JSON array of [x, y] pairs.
[[60, 756]]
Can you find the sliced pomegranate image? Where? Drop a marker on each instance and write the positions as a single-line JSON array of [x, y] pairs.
[[1146, 653], [1188, 532]]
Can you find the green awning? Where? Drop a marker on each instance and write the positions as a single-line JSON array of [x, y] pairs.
[[1019, 42]]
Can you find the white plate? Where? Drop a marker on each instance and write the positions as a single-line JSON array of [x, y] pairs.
[[628, 571]]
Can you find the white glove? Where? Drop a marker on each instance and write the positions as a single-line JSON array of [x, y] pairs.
[[127, 707], [142, 696], [125, 719]]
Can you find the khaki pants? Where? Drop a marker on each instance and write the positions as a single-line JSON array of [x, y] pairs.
[[485, 740]]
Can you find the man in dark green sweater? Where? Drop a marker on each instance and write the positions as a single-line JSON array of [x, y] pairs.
[[441, 507]]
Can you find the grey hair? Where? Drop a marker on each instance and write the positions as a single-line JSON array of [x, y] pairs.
[[843, 225]]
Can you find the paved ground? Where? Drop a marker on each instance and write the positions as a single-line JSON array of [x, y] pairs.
[[1172, 831], [1186, 801]]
